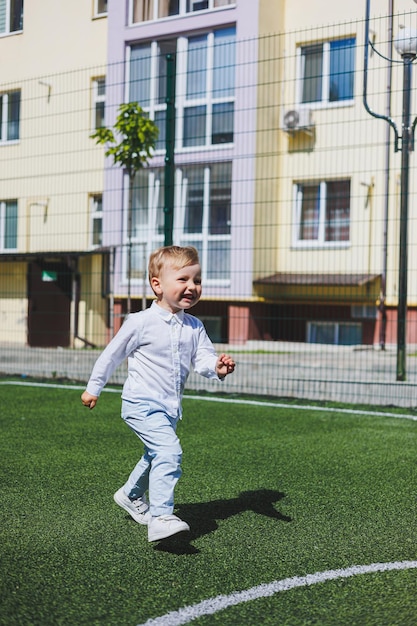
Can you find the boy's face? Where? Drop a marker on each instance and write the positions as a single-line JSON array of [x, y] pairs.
[[178, 289]]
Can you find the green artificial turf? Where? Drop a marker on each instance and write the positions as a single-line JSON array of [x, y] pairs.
[[270, 493]]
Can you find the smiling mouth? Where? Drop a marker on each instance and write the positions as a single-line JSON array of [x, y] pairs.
[[188, 298]]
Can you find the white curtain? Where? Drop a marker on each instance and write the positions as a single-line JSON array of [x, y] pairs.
[[142, 10]]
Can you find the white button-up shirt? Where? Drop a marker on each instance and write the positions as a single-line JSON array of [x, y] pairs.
[[160, 348]]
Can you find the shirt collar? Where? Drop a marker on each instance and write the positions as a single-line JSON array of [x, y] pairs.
[[167, 316]]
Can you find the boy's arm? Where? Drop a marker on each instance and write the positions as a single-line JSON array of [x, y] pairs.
[[122, 344], [207, 363]]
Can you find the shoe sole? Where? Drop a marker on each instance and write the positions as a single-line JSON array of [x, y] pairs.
[[167, 534], [140, 520]]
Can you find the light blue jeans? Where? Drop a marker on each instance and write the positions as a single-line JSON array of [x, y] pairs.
[[160, 466]]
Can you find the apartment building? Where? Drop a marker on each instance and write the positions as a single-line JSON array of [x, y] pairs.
[[214, 45], [336, 249], [280, 173], [284, 182], [52, 82]]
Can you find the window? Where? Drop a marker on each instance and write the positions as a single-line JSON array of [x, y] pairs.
[[140, 74], [364, 311], [8, 225], [99, 101], [9, 116], [327, 71], [11, 16], [213, 326], [96, 215], [202, 215], [205, 86], [334, 333], [209, 98], [145, 10], [100, 7], [147, 218], [148, 206], [323, 212]]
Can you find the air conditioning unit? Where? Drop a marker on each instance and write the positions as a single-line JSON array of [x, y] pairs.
[[297, 120]]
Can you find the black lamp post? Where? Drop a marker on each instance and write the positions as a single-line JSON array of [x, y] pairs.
[[406, 46]]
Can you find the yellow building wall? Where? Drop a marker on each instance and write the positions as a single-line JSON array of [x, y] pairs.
[[268, 140], [13, 303], [346, 142], [55, 166], [61, 49], [92, 323]]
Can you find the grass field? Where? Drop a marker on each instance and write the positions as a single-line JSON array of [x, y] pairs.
[[272, 494]]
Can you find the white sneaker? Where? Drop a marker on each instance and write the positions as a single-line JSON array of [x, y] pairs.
[[165, 526], [138, 509]]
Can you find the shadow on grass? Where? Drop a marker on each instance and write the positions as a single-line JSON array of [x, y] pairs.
[[202, 517]]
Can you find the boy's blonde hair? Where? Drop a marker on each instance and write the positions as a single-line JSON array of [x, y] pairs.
[[176, 256]]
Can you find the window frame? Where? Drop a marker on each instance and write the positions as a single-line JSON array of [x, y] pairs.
[[149, 233], [144, 235], [337, 328], [97, 99], [4, 117], [209, 100], [324, 101], [3, 210], [96, 215], [203, 238], [8, 19], [182, 10], [320, 241], [97, 12]]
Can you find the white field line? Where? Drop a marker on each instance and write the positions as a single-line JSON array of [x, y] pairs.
[[301, 407], [277, 405], [219, 603]]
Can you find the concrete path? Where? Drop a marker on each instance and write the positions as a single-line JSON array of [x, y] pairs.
[[281, 370]]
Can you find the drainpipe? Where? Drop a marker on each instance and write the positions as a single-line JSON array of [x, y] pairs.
[[382, 305], [111, 289]]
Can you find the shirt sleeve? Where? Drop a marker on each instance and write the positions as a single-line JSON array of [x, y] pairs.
[[205, 358], [119, 348]]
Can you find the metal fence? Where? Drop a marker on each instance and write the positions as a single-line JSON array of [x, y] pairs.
[[282, 176]]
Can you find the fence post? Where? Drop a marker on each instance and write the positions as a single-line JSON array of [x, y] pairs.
[[169, 152]]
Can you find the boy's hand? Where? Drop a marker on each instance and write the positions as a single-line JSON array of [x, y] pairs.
[[88, 400], [225, 365]]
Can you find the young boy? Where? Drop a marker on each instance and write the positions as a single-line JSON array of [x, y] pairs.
[[161, 344]]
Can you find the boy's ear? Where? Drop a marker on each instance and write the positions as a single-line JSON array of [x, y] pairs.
[[156, 285]]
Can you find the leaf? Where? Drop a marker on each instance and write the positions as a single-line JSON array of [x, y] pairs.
[[137, 133]]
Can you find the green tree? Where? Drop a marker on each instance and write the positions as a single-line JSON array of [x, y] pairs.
[[130, 144]]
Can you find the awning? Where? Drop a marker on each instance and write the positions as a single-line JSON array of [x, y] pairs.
[[8, 257], [316, 287]]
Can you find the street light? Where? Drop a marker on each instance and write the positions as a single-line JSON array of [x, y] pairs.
[[406, 45]]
